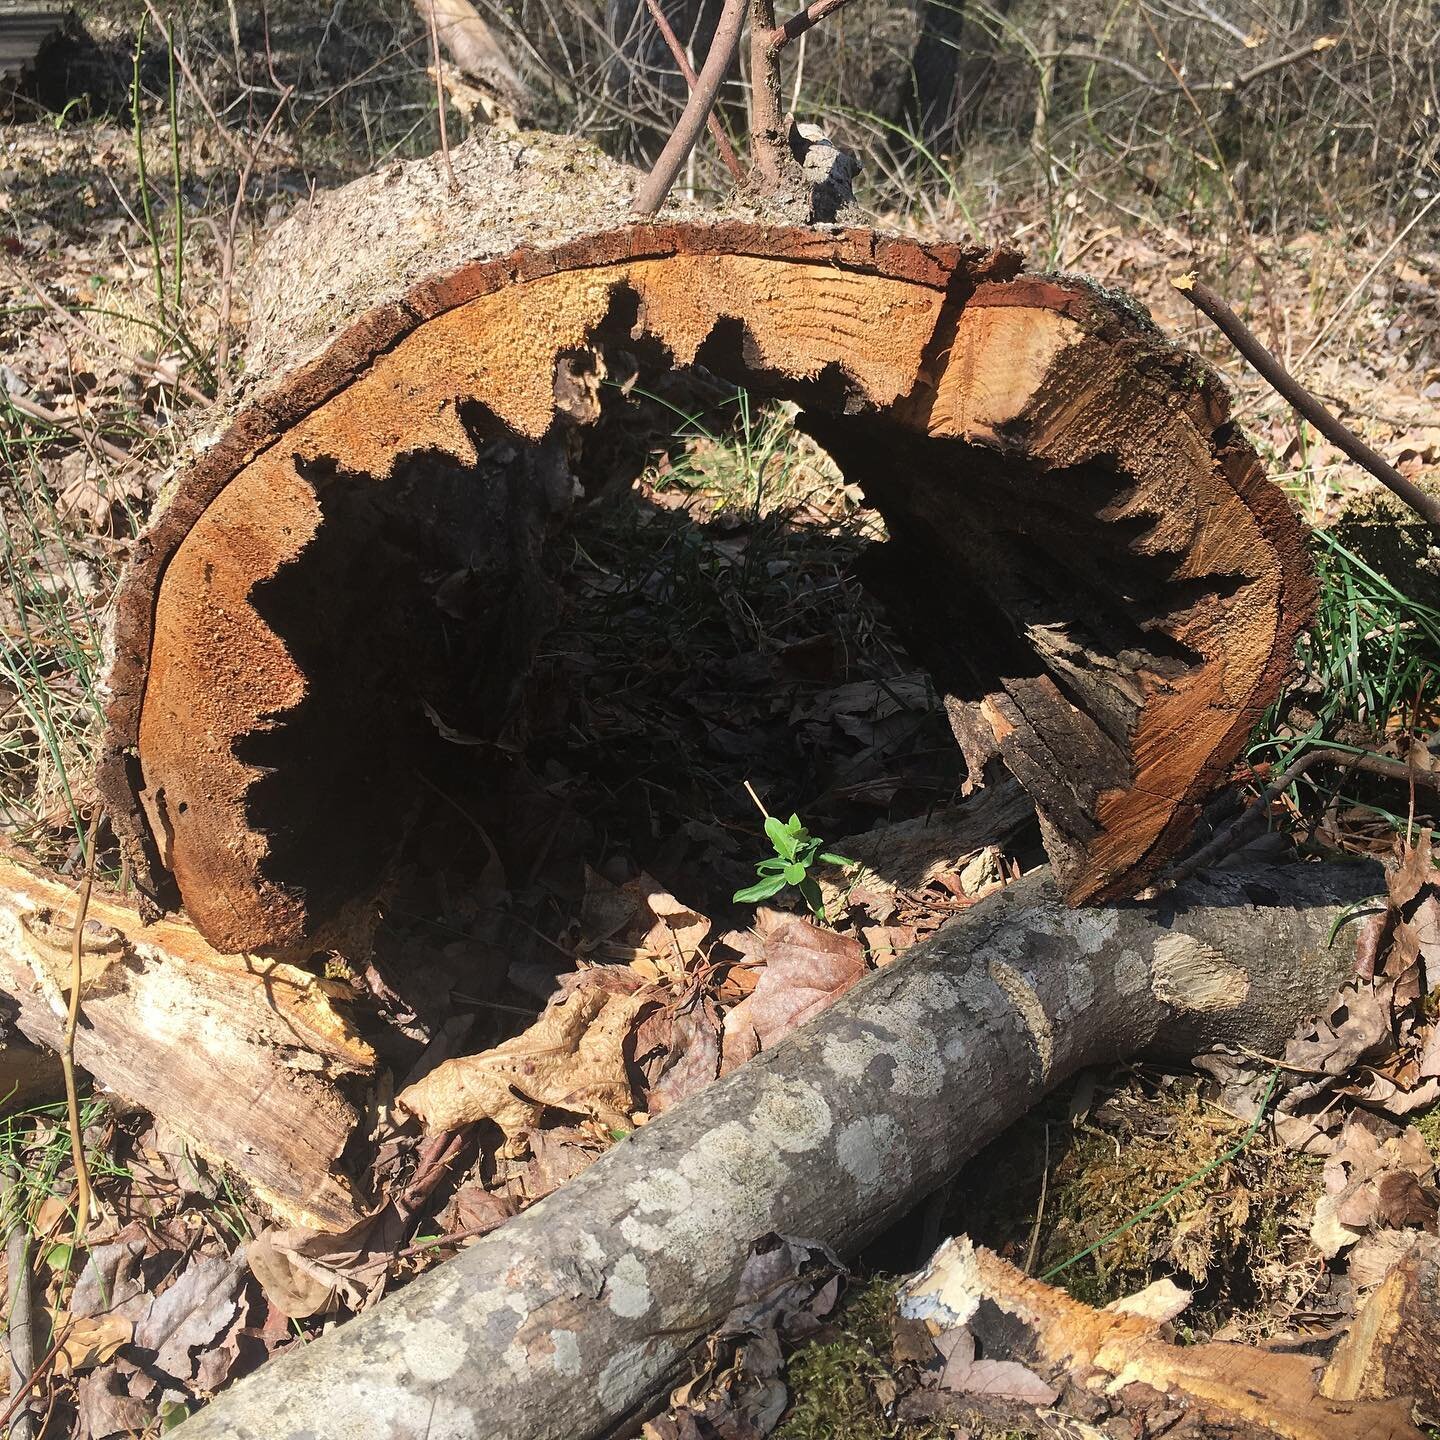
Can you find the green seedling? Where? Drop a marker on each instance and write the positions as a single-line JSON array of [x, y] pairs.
[[796, 851]]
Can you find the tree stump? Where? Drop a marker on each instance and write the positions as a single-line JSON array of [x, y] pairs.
[[1083, 548]]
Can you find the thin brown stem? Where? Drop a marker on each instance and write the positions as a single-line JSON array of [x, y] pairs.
[[440, 94], [811, 15], [656, 185], [1206, 300], [32, 411], [682, 61], [768, 149]]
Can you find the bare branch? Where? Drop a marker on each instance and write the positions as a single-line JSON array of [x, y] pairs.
[[682, 60], [657, 183], [1303, 402]]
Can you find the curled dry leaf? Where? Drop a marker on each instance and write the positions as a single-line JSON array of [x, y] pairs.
[[573, 1058], [806, 969], [307, 1272]]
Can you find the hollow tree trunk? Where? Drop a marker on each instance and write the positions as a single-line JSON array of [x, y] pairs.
[[1084, 548], [243, 1057], [567, 1317]]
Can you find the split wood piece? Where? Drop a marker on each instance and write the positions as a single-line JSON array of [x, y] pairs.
[[1391, 1347], [570, 1315], [1084, 549], [244, 1057], [1115, 1360]]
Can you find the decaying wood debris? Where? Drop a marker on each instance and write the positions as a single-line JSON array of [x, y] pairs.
[[1084, 550], [1020, 1343], [241, 1056], [580, 1308]]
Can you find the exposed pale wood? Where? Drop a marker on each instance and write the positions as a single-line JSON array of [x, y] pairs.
[[557, 1324], [244, 1057], [1083, 549], [1224, 1391], [1391, 1348], [476, 49]]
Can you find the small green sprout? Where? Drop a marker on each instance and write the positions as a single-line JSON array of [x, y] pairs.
[[796, 850]]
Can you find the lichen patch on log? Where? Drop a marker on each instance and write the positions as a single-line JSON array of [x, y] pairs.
[[1083, 550]]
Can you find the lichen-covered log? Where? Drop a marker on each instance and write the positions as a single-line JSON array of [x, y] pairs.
[[557, 1324], [241, 1056], [1084, 548]]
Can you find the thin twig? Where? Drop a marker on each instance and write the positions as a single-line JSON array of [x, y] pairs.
[[1231, 836], [64, 422], [440, 94], [1206, 300], [682, 60], [1033, 1253], [656, 185], [67, 1048]]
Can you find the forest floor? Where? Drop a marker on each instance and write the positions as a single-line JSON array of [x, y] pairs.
[[714, 647]]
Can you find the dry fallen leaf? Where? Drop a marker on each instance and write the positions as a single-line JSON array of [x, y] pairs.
[[573, 1058], [806, 969], [90, 1340]]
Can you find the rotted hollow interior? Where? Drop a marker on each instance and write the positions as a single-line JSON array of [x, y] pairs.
[[299, 637]]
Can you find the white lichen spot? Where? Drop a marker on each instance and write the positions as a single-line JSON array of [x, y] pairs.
[[1079, 987], [1130, 972], [1191, 975], [566, 1360], [641, 1235], [793, 1115], [661, 1191], [849, 1058], [433, 1351], [873, 1152], [627, 1291], [1031, 1009]]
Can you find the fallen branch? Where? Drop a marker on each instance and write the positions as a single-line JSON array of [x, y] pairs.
[[1036, 1340], [19, 1329], [1206, 300], [557, 1325], [242, 1056]]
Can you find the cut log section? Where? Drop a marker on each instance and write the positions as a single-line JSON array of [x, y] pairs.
[[245, 1058], [1083, 548]]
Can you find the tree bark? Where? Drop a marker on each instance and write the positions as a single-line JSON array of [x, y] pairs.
[[556, 1325], [244, 1057], [1084, 549]]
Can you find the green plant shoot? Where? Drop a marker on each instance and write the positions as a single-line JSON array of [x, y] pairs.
[[796, 851]]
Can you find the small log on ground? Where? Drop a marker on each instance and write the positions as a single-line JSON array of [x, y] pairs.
[[1084, 548], [561, 1321], [240, 1055]]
